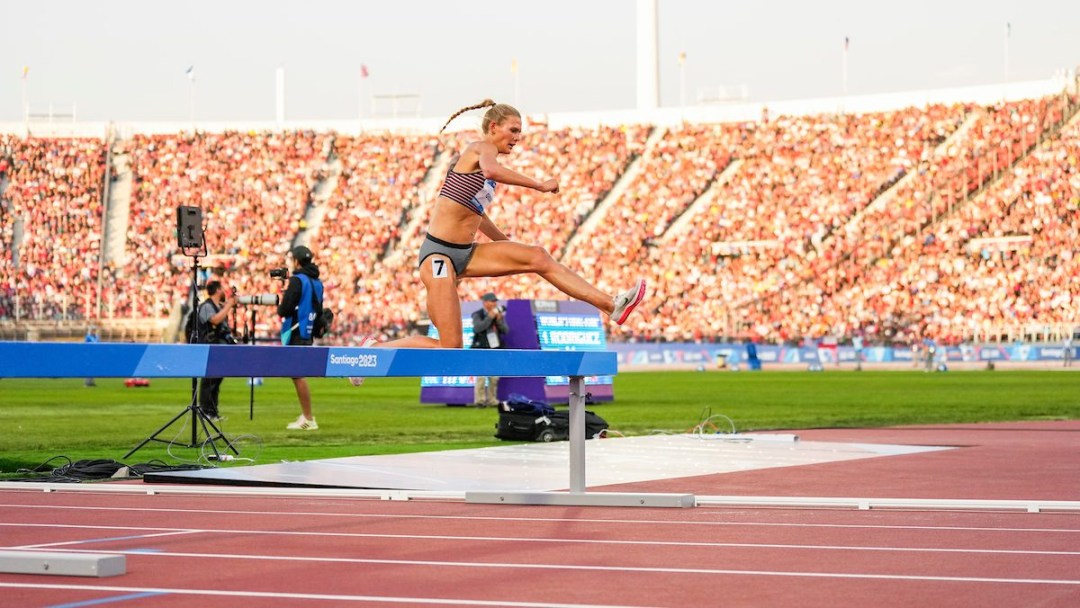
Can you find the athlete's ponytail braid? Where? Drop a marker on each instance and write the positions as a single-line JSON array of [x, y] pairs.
[[487, 103]]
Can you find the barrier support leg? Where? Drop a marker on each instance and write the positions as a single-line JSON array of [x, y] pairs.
[[577, 496], [577, 434]]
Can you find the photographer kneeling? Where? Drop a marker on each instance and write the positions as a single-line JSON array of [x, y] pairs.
[[214, 328], [300, 306]]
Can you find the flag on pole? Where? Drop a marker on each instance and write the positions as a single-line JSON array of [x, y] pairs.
[[847, 41], [190, 72], [25, 71], [363, 71], [513, 66], [682, 57]]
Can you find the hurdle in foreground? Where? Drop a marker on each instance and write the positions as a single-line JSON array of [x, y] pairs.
[[112, 360]]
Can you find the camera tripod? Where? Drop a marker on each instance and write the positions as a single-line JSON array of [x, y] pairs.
[[193, 245]]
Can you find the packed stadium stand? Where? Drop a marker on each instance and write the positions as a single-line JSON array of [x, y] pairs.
[[52, 204], [955, 221]]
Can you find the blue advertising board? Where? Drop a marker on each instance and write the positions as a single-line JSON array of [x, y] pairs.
[[731, 354], [550, 325]]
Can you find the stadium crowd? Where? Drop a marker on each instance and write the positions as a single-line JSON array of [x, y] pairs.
[[51, 202], [253, 188], [375, 197], [921, 222]]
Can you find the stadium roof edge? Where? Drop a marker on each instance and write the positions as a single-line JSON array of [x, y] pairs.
[[983, 94]]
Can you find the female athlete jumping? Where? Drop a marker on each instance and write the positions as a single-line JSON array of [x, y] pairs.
[[450, 253]]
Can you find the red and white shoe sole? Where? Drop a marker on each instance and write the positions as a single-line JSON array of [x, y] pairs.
[[629, 309]]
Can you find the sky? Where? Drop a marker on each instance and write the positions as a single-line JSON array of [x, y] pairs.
[[126, 60]]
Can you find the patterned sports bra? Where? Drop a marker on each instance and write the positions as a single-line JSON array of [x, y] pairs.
[[469, 189]]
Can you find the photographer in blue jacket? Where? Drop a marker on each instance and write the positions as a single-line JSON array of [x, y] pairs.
[[300, 306]]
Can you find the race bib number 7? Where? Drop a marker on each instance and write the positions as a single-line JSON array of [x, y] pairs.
[[439, 269]]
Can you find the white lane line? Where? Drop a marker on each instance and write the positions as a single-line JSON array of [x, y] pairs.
[[634, 522], [309, 596], [103, 540], [593, 568], [514, 539]]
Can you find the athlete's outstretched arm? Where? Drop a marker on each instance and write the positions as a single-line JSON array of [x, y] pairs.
[[489, 164]]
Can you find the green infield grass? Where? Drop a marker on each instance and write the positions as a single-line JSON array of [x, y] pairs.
[[41, 419]]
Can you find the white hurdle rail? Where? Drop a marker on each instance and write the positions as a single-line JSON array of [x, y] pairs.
[[113, 360]]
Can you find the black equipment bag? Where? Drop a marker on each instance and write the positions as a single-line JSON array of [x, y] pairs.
[[594, 425], [517, 426], [523, 419]]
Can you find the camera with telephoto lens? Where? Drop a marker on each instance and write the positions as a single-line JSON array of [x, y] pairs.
[[279, 273], [262, 299]]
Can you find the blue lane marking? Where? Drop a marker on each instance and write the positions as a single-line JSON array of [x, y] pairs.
[[109, 600]]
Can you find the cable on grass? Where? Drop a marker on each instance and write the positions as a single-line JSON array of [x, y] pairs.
[[73, 471], [176, 441], [244, 444], [95, 470], [84, 470], [41, 468], [709, 427]]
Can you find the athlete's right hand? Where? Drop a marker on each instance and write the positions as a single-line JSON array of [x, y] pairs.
[[550, 185]]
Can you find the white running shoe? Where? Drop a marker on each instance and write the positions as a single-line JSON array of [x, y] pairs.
[[302, 424], [366, 342], [627, 301]]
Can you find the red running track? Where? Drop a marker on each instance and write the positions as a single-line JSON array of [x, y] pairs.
[[184, 550]]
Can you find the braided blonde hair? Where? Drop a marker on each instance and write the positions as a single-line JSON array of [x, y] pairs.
[[496, 113]]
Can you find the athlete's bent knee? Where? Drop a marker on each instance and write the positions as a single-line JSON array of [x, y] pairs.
[[540, 260]]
